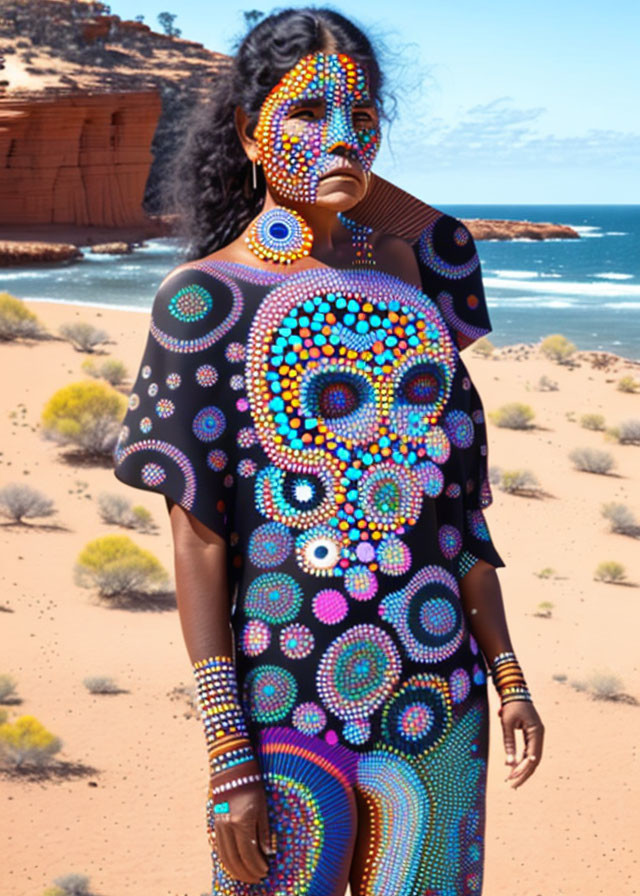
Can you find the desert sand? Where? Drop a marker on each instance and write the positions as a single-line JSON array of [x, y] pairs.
[[130, 809]]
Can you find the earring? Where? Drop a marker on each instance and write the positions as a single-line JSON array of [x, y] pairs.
[[279, 235], [254, 175]]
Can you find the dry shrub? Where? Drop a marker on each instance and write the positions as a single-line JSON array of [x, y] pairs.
[[483, 347], [111, 370], [519, 482], [16, 321], [557, 348], [513, 415], [590, 460], [545, 384], [19, 502], [594, 422], [26, 742], [118, 567], [100, 684], [627, 432], [83, 336], [8, 686], [118, 511], [627, 384], [621, 519], [610, 571], [86, 415]]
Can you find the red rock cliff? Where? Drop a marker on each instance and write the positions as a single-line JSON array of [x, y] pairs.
[[80, 160]]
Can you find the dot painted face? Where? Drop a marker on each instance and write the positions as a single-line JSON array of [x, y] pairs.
[[319, 119]]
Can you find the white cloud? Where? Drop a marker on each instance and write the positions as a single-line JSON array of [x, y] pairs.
[[498, 134]]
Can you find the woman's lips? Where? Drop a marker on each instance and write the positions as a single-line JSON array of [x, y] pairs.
[[340, 169]]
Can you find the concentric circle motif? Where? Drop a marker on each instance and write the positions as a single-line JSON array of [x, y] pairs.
[[318, 551], [152, 390], [438, 445], [393, 556], [191, 303], [247, 467], [217, 459], [450, 541], [208, 424], [478, 525], [270, 545], [269, 693], [168, 452], [300, 500], [153, 474], [173, 381], [296, 641], [427, 615], [459, 427], [206, 375], [360, 583], [146, 425], [453, 490], [432, 479], [440, 246], [460, 685], [358, 671], [309, 718], [273, 597], [358, 731], [255, 638], [387, 494], [329, 606], [164, 408], [279, 235], [418, 716], [134, 401]]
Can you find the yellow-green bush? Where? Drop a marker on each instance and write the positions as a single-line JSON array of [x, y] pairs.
[[610, 571], [118, 567], [86, 415], [111, 370], [513, 415], [483, 347], [16, 320], [627, 384], [594, 422], [27, 742], [557, 348]]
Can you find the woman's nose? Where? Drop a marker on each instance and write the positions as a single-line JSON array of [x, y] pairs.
[[341, 136]]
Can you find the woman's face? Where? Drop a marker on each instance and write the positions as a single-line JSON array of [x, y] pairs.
[[318, 130]]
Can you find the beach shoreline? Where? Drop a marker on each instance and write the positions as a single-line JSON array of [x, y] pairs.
[[130, 810]]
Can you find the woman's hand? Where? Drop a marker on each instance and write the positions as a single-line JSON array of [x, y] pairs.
[[521, 714], [242, 837]]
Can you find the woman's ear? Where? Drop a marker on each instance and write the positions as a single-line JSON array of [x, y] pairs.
[[250, 145]]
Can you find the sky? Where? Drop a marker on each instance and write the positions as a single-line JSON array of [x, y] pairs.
[[498, 102]]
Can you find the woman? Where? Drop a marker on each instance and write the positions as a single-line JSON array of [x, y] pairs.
[[302, 405]]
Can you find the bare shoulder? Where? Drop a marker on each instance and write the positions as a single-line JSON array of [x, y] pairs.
[[395, 256]]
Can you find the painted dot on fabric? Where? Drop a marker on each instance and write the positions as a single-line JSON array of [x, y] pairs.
[[329, 606], [360, 582], [134, 401], [255, 637], [473, 302], [459, 685], [309, 718], [208, 424], [153, 474], [217, 459], [165, 408], [296, 641], [331, 737], [206, 375], [146, 425], [270, 545], [173, 380]]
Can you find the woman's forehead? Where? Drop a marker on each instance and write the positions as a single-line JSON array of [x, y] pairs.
[[317, 74]]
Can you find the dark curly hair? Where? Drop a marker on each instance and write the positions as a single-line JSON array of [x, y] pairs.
[[210, 179]]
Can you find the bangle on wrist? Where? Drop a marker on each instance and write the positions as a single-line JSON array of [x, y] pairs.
[[228, 743], [508, 678]]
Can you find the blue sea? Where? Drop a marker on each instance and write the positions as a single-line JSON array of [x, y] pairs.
[[587, 289]]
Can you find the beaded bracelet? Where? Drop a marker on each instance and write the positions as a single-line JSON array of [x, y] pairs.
[[508, 678], [237, 782], [226, 733]]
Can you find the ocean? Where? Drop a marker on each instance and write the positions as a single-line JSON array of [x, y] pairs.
[[587, 289]]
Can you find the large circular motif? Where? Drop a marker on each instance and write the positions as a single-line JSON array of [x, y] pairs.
[[318, 550], [175, 326], [270, 692], [441, 247], [127, 455], [209, 424], [273, 597], [418, 716], [270, 545], [191, 303], [388, 495], [358, 671], [427, 615], [459, 427]]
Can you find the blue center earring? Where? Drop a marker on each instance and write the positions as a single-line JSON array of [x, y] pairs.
[[279, 235]]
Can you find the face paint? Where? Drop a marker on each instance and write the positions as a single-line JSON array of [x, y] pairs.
[[297, 151]]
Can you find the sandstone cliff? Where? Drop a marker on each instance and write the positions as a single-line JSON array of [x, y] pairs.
[[493, 229], [90, 107]]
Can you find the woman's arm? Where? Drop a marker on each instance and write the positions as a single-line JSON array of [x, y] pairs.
[[484, 610], [242, 831]]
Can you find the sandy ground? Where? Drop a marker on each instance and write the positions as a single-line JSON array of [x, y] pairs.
[[129, 811]]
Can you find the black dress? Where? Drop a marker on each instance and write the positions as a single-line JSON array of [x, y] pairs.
[[324, 424]]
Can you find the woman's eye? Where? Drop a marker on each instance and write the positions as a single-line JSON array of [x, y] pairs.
[[303, 114]]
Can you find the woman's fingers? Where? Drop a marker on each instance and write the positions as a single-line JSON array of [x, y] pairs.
[[227, 851], [523, 715], [245, 833]]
